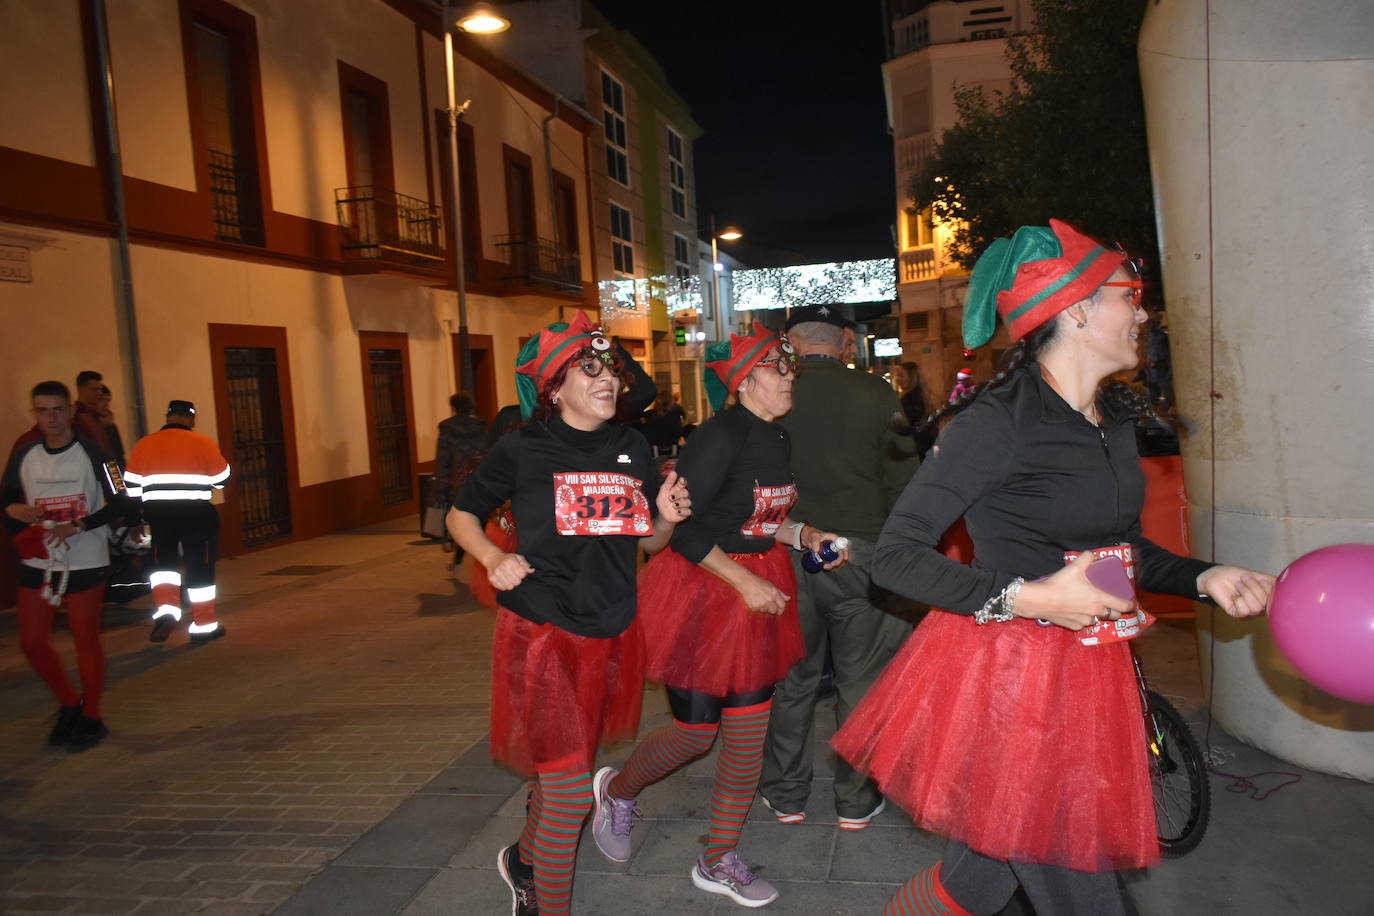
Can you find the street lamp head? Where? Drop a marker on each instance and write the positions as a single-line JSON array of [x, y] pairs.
[[481, 19], [729, 234]]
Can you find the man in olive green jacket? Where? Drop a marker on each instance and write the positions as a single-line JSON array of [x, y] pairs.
[[850, 466]]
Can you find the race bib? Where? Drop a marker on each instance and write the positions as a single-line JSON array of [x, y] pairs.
[[771, 505], [62, 508], [597, 503], [1128, 626]]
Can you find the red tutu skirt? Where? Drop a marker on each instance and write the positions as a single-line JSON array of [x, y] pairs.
[[1014, 739], [500, 530], [701, 636], [556, 696]]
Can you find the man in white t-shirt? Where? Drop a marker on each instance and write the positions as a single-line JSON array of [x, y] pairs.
[[59, 492]]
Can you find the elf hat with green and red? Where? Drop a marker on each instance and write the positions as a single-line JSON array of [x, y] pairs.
[[543, 355], [1033, 276], [728, 362]]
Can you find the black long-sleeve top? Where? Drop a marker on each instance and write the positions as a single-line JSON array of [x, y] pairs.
[[732, 462], [1033, 479], [581, 582]]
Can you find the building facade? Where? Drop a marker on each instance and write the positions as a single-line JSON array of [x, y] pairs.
[[938, 47], [643, 189], [283, 169]]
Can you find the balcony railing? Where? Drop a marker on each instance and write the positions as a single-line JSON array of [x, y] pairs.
[[539, 262], [234, 200], [918, 264], [377, 224]]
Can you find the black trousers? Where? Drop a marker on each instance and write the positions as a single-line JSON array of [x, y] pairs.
[[984, 886], [184, 529]]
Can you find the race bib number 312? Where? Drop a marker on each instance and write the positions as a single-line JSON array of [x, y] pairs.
[[600, 503]]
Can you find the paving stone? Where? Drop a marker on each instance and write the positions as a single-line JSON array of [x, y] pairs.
[[463, 890], [105, 906], [36, 904], [880, 853], [344, 891], [424, 831], [272, 856]]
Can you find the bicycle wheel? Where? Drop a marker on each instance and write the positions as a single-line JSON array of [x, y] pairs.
[[1183, 800]]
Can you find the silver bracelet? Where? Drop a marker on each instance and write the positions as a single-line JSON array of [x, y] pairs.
[[1005, 599]]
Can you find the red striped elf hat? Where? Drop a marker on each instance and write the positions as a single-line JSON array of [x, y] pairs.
[[542, 356], [728, 363], [1033, 276]]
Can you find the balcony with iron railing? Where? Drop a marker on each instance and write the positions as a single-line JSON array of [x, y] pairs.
[[539, 263], [381, 227]]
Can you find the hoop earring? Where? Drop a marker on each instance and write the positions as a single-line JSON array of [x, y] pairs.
[[555, 400]]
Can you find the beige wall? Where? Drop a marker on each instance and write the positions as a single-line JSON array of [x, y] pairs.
[[61, 323], [150, 91], [300, 44], [49, 112]]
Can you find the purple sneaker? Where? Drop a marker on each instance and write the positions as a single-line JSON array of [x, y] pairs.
[[612, 819], [733, 879]]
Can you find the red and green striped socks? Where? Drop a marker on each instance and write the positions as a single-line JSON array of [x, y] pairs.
[[672, 746], [561, 801], [924, 895], [743, 729]]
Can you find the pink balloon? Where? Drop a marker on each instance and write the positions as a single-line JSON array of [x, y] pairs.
[[1322, 618]]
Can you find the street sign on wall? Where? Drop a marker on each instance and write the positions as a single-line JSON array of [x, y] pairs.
[[14, 264]]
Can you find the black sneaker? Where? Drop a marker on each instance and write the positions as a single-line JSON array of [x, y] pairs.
[[66, 721], [86, 733], [519, 877], [199, 638], [162, 628]]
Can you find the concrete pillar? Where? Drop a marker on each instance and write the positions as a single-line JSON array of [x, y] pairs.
[[1261, 125]]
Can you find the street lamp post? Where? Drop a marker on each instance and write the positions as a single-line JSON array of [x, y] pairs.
[[728, 234], [478, 20]]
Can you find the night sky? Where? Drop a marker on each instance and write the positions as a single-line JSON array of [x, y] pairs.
[[790, 95]]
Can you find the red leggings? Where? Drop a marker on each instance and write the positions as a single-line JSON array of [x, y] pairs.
[[35, 638]]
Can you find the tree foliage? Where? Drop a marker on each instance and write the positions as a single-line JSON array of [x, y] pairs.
[[1067, 141]]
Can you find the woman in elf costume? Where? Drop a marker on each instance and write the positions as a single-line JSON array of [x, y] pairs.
[[1010, 721], [567, 654], [720, 616]]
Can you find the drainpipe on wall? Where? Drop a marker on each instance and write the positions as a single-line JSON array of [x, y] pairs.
[[124, 292]]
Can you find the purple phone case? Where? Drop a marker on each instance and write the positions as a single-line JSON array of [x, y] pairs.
[[1109, 574]]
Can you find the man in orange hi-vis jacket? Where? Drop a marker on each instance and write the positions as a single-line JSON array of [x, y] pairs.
[[174, 471]]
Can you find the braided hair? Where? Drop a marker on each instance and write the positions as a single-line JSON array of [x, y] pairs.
[[1115, 394]]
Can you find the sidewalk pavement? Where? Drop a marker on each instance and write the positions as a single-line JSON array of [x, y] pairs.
[[327, 757]]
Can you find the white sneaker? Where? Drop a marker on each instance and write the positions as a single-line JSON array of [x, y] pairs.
[[782, 816], [859, 823]]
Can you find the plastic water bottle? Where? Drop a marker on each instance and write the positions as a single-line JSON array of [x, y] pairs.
[[814, 561]]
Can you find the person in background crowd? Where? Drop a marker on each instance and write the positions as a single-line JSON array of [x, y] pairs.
[[1010, 722], [963, 384], [59, 492], [461, 439], [720, 621], [915, 406], [107, 422], [850, 465], [174, 471], [567, 655], [663, 427]]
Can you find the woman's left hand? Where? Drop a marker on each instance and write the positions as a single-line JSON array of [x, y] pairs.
[[1238, 591], [673, 501], [813, 538]]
